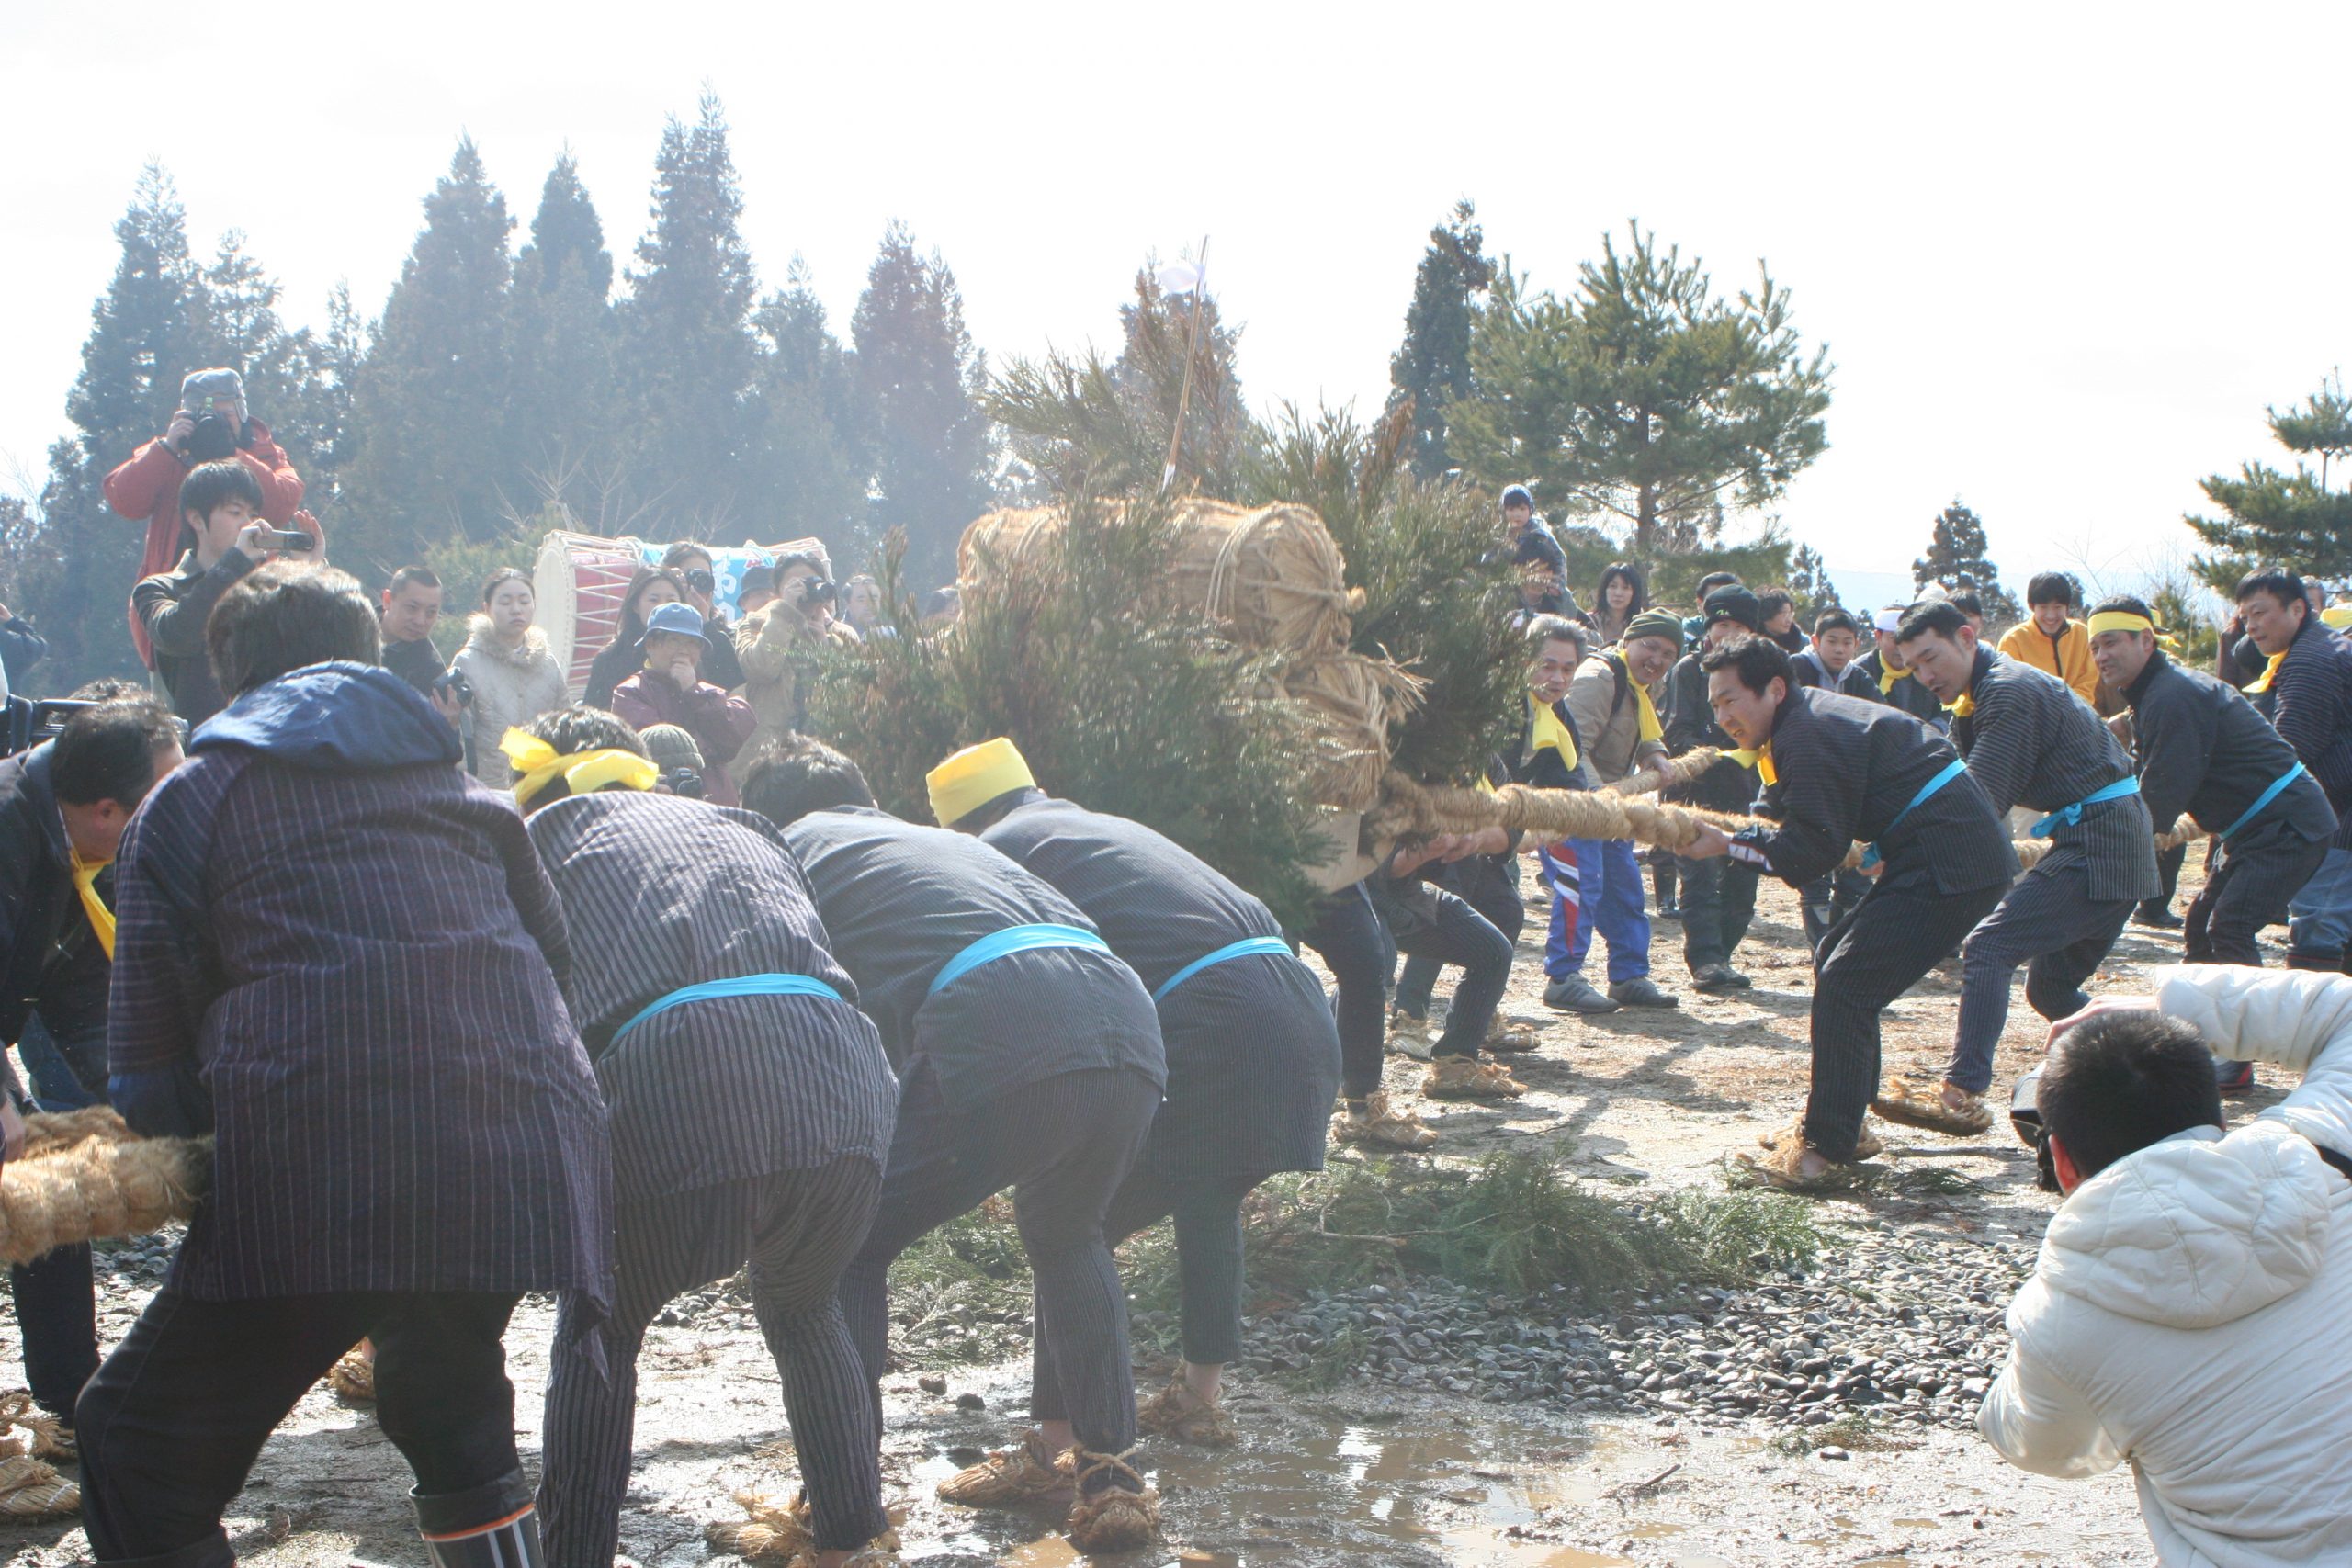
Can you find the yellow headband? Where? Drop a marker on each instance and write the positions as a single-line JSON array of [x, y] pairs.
[[974, 776], [2122, 621], [583, 773]]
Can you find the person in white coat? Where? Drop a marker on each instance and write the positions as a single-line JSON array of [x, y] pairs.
[[2189, 1311]]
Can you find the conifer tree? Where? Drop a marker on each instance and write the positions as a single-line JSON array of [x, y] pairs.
[[808, 470], [687, 351], [1432, 367], [919, 380], [430, 462], [1957, 558], [1149, 374], [2273, 518], [1810, 586], [561, 419], [235, 322]]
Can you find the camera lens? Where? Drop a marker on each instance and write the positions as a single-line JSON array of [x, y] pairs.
[[701, 581], [821, 592]]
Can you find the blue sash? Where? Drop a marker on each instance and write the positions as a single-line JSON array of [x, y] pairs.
[[2278, 787], [1243, 948], [2067, 815], [1927, 792], [1010, 941], [741, 985]]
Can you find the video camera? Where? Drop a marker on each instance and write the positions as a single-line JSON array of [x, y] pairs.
[[28, 724], [214, 437]]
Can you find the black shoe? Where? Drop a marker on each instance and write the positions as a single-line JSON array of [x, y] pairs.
[[2158, 916], [1667, 910], [2233, 1077], [1718, 977], [1641, 992]]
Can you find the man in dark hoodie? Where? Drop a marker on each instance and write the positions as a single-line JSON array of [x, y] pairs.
[[1718, 894], [323, 927]]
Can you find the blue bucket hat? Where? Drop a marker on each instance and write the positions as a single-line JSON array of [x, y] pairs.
[[679, 620]]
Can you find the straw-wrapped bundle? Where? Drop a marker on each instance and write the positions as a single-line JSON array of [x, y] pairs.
[[1355, 699], [1549, 814], [1667, 772], [87, 1178]]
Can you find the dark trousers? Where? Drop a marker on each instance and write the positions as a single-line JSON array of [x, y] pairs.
[[2250, 890], [1895, 936], [1431, 926], [1718, 902], [171, 1424], [798, 1230], [1827, 900], [1488, 884], [2050, 924], [56, 1302], [1207, 1211], [1347, 936], [1064, 1145], [1355, 945], [2169, 865]]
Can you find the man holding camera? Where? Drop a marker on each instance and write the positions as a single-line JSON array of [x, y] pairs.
[[782, 634], [222, 506], [210, 425]]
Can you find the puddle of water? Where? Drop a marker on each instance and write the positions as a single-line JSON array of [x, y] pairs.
[[1656, 1531], [1916, 1524]]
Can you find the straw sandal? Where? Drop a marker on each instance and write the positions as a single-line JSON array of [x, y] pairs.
[[785, 1536], [30, 1489], [353, 1378], [1511, 1037], [1784, 1167], [1918, 1102], [52, 1438], [1410, 1036], [1867, 1145], [1466, 1078], [1114, 1517], [1177, 1412], [1025, 1473], [1381, 1126]]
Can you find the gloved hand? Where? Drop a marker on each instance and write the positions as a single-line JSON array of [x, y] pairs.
[[162, 1102]]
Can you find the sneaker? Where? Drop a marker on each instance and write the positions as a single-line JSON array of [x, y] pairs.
[[1466, 1078], [1714, 977], [1641, 992], [1576, 994], [2158, 916], [1410, 1036], [2232, 1078], [1008, 1477]]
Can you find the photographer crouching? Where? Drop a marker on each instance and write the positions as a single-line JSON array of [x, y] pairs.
[[775, 638]]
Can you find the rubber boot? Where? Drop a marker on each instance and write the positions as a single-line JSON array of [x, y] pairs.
[[490, 1525]]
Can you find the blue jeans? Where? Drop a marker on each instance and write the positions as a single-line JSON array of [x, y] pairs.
[[2319, 921], [1599, 884]]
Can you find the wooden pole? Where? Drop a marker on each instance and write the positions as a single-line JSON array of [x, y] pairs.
[[1191, 357]]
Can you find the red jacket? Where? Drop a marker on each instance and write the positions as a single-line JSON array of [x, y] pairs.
[[148, 486], [719, 723]]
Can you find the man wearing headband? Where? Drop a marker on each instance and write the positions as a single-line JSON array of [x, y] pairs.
[[2030, 740], [1253, 1059], [2203, 750], [2307, 680], [751, 1110], [1891, 679], [1029, 1056], [1837, 770]]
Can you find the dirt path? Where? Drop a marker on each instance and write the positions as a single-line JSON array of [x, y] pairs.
[[1371, 1472]]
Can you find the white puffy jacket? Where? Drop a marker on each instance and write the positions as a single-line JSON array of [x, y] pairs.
[[2191, 1310]]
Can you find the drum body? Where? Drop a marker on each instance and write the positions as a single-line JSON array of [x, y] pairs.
[[580, 581]]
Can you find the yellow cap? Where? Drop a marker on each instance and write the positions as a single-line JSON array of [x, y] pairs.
[[974, 776]]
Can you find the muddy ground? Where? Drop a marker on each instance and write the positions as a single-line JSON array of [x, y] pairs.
[[1364, 1472]]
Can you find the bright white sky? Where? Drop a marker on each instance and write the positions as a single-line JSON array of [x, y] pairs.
[[2063, 254]]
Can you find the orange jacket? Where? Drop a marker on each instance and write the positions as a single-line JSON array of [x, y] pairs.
[[2069, 658], [148, 486]]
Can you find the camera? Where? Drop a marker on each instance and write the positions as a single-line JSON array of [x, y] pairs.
[[702, 581], [684, 782], [214, 437], [818, 590], [288, 540], [454, 681]]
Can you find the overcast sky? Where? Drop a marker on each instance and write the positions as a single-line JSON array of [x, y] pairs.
[[2062, 255]]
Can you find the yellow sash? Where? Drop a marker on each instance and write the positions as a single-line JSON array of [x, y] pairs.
[[583, 772], [1760, 760], [85, 882], [2269, 672], [1888, 674], [1545, 728]]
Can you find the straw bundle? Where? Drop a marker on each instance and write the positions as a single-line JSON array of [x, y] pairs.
[[89, 1178], [1670, 771], [1354, 699], [1549, 814], [782, 1535]]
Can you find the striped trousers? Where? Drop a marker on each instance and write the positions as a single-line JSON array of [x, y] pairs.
[[797, 1229]]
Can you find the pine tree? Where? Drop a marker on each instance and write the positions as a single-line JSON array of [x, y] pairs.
[[919, 382], [561, 420], [807, 467], [1810, 586], [431, 462], [235, 322], [77, 559], [688, 355], [1644, 397], [1149, 374], [1957, 558], [1432, 367], [2295, 520]]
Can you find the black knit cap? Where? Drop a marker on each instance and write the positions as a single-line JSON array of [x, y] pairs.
[[1734, 604]]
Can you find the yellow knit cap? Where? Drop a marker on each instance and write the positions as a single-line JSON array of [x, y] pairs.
[[974, 776]]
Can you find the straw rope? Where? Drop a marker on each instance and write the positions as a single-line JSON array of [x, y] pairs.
[[88, 1179]]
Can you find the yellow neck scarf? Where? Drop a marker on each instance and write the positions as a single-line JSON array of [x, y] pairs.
[[1648, 726], [1760, 760], [1963, 708], [1889, 673], [1545, 728], [2261, 682], [85, 882], [583, 773]]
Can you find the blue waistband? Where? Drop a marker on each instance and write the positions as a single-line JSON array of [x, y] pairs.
[[1010, 941], [2278, 787], [1243, 948], [2067, 815], [1927, 792], [741, 985]]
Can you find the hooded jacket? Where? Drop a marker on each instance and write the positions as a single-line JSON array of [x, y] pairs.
[[50, 959], [512, 687], [2187, 1310], [354, 950]]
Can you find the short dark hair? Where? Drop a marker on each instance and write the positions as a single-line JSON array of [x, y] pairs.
[[676, 554], [1714, 580], [798, 557], [1756, 660], [2120, 1081], [1770, 602], [1967, 603], [106, 688], [211, 485], [1938, 615], [2124, 604], [2049, 587], [582, 728], [286, 615], [1835, 620], [505, 574], [792, 776], [412, 577], [2285, 586], [1542, 629], [107, 752]]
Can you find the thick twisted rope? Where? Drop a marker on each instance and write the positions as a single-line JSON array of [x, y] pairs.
[[86, 1178]]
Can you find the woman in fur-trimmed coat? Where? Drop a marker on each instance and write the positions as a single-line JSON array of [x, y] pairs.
[[514, 676]]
